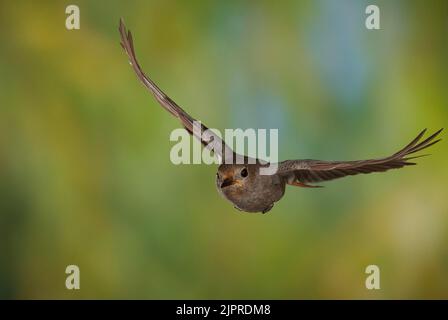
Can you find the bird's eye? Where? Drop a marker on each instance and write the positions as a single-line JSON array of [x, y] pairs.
[[244, 173]]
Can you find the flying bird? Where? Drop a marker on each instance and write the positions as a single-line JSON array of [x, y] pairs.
[[241, 182]]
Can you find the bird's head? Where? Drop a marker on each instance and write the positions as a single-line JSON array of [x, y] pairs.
[[234, 177]]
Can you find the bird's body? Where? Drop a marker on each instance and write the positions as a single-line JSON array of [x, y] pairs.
[[252, 192], [242, 184]]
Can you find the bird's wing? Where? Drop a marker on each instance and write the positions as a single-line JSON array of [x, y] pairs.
[[301, 172], [209, 139]]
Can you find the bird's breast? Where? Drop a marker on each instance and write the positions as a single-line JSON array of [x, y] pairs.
[[256, 197]]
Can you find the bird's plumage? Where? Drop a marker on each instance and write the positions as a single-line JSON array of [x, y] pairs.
[[242, 184], [311, 171], [207, 137]]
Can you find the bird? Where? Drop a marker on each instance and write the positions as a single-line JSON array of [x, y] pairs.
[[241, 182]]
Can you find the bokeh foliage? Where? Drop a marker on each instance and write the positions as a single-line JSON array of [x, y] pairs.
[[85, 176]]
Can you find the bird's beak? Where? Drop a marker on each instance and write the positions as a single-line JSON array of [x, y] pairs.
[[227, 182]]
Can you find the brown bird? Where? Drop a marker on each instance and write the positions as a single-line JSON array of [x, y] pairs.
[[241, 182]]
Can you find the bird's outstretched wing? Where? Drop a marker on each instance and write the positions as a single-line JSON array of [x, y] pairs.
[[208, 138], [302, 172]]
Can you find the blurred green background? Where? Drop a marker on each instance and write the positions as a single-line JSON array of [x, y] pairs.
[[85, 176]]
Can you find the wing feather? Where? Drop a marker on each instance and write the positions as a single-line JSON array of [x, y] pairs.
[[209, 140], [312, 171]]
